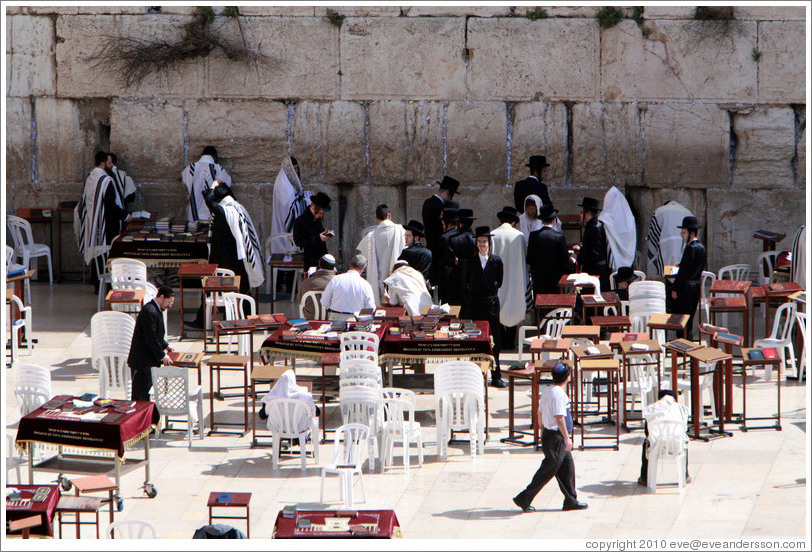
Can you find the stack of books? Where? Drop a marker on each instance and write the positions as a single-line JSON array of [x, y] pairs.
[[470, 329]]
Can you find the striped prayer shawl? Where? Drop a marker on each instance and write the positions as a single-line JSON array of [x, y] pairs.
[[664, 240], [797, 270], [89, 220], [197, 177], [246, 238]]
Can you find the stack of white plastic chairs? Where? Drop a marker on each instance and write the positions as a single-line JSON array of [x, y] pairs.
[[646, 298], [111, 334], [459, 395], [32, 387], [239, 306]]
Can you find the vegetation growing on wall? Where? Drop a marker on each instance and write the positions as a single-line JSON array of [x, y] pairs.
[[609, 16], [536, 13]]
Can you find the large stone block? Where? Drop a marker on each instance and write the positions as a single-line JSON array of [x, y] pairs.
[[402, 58], [304, 51], [32, 69], [168, 199], [405, 142], [457, 11], [540, 128], [765, 146], [80, 38], [607, 144], [519, 59], [679, 60], [328, 140], [250, 136], [476, 143], [361, 11], [686, 145], [68, 134], [279, 11], [589, 12], [668, 12], [770, 13], [42, 10], [781, 75], [112, 10], [147, 137], [800, 169], [18, 139]]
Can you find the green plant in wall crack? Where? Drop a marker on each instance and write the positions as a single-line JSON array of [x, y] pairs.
[[536, 13], [335, 18], [756, 55], [609, 16]]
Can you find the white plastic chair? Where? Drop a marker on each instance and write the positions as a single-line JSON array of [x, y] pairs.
[[359, 404], [397, 408], [459, 392], [25, 322], [115, 379], [131, 529], [348, 458], [613, 278], [24, 246], [732, 272], [131, 274], [363, 345], [172, 397], [292, 419], [708, 278], [667, 439], [705, 390], [238, 306], [30, 396], [359, 369], [550, 326], [800, 319], [111, 333], [781, 338], [216, 298], [11, 266], [319, 310], [13, 461], [290, 249], [642, 380], [765, 264], [105, 278]]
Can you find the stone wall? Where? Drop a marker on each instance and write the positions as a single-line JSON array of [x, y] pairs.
[[710, 113]]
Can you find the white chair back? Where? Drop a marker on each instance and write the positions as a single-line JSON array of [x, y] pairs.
[[115, 380], [111, 333], [348, 444], [9, 256], [734, 272], [21, 234], [613, 278], [363, 345], [668, 439], [359, 404], [553, 322], [360, 368], [784, 321], [125, 273], [765, 264], [131, 529], [239, 306], [292, 419], [459, 392], [172, 396], [319, 310], [31, 396], [32, 374], [800, 319]]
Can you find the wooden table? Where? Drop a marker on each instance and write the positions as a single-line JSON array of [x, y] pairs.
[[569, 286], [542, 345], [530, 373], [580, 353], [781, 292], [192, 270], [595, 302], [620, 322], [67, 208], [295, 262], [746, 362], [214, 286], [550, 301], [229, 363], [676, 322], [116, 297], [593, 333], [707, 355], [24, 508], [630, 349], [234, 500], [735, 288], [78, 505], [612, 368], [616, 338], [722, 305], [99, 484], [19, 288], [679, 347], [188, 360], [768, 239]]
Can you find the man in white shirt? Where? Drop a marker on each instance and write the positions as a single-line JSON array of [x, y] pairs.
[[197, 178], [348, 293], [407, 286], [382, 246], [556, 444]]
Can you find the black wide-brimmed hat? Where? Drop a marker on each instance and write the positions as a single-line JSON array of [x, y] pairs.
[[448, 183], [689, 223], [416, 227], [483, 231], [547, 211], [467, 214], [625, 274], [590, 203], [321, 200], [537, 162], [508, 214], [451, 214]]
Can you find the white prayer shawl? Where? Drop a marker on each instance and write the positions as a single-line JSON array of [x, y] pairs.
[[798, 262], [246, 239], [289, 201], [621, 233], [407, 287], [197, 177], [124, 184], [286, 388], [528, 224], [382, 247], [664, 239], [508, 244], [88, 217]]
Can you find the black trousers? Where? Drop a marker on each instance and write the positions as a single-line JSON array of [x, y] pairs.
[[141, 384], [557, 463]]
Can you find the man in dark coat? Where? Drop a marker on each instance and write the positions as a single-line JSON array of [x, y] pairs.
[[463, 248], [433, 217], [685, 291], [482, 277], [533, 184], [547, 254], [309, 232], [593, 249], [445, 257], [415, 253], [148, 347], [222, 244]]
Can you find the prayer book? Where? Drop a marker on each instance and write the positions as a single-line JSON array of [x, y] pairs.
[[629, 337], [755, 354], [299, 323], [711, 329], [280, 317], [226, 281], [289, 511], [593, 351], [675, 319], [225, 324], [224, 498], [366, 312], [241, 323], [111, 418], [639, 347], [56, 402], [770, 353], [18, 272], [88, 397], [728, 338], [122, 295]]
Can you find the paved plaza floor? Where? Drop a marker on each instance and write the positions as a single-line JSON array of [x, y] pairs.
[[753, 484]]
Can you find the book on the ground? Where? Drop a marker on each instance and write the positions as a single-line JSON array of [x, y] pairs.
[[770, 353], [224, 498], [755, 354]]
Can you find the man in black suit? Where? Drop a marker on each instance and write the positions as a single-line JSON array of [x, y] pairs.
[[592, 255], [533, 184], [463, 247], [148, 347], [444, 259], [547, 254], [415, 253], [433, 217], [685, 291], [309, 232]]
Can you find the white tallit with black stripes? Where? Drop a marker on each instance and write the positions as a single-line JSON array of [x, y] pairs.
[[246, 238], [198, 177], [88, 216], [664, 239], [124, 184], [289, 201]]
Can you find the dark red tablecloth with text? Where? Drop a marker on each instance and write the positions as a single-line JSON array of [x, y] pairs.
[[407, 346], [20, 509], [369, 524], [306, 344]]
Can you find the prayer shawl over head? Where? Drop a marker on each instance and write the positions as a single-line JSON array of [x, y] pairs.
[[508, 243], [798, 263], [286, 388], [381, 247], [289, 201], [88, 217], [528, 224], [124, 184], [621, 233], [407, 286], [197, 177], [245, 238], [664, 238]]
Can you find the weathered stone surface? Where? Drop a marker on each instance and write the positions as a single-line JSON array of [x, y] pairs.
[[18, 139], [781, 75], [361, 11], [80, 37], [69, 132], [405, 142], [686, 145], [669, 12], [676, 62], [800, 170], [519, 59], [147, 137], [540, 128], [402, 58], [770, 13], [32, 69], [112, 10], [476, 143], [607, 144], [457, 11], [765, 146], [41, 10], [250, 136], [167, 199], [306, 54], [570, 11], [328, 141], [283, 11]]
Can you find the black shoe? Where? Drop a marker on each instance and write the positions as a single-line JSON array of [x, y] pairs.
[[575, 506], [498, 383], [642, 482], [527, 508]]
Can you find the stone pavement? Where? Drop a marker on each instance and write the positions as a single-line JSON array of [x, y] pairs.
[[751, 485]]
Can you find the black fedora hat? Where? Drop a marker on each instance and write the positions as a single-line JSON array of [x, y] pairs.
[[547, 211], [451, 214], [416, 227], [537, 162], [590, 203], [508, 213], [466, 214], [448, 183], [321, 200], [625, 274], [483, 231], [690, 223]]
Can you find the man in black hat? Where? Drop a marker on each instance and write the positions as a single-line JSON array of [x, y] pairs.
[[593, 249], [445, 257], [685, 291], [624, 277], [533, 184], [547, 256], [416, 254], [463, 247], [433, 216], [309, 232]]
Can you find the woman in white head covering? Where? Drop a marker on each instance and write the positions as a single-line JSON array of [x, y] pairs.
[[286, 388], [529, 221]]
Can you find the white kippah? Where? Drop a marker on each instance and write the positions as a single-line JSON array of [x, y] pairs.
[[328, 258]]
